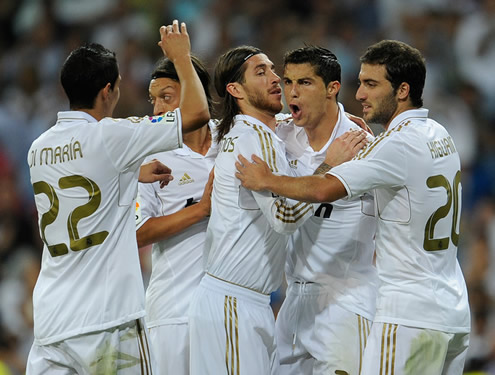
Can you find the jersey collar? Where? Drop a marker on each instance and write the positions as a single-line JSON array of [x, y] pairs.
[[420, 113], [69, 116], [252, 120]]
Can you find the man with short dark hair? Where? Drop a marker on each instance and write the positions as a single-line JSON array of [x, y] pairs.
[[324, 321], [89, 299], [174, 220], [231, 321], [422, 319]]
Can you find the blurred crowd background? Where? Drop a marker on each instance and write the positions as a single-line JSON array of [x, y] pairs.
[[457, 38]]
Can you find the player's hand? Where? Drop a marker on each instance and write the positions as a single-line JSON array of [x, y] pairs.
[[155, 171], [205, 201], [253, 176], [175, 42], [345, 147], [359, 121]]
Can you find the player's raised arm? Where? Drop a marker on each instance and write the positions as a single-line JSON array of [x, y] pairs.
[[176, 45]]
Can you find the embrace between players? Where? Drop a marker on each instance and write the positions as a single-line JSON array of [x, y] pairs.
[[365, 229]]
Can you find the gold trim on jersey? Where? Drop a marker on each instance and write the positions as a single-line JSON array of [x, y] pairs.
[[367, 150], [232, 335], [388, 347], [144, 349], [288, 213], [267, 149], [364, 331]]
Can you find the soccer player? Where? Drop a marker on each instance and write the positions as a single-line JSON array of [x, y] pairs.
[[422, 318], [89, 296], [231, 321], [325, 318], [174, 220]]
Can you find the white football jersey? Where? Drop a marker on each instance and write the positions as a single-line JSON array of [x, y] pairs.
[[248, 231], [335, 246], [84, 175], [177, 262], [414, 170]]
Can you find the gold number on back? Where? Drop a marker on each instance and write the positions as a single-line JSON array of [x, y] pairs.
[[76, 243], [49, 217], [431, 243], [80, 212]]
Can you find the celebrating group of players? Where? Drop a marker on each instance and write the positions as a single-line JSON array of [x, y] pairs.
[[364, 228]]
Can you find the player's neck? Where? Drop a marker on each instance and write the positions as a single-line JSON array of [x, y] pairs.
[[264, 116], [98, 115], [199, 140], [319, 134]]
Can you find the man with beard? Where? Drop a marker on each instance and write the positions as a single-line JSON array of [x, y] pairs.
[[231, 321], [422, 319]]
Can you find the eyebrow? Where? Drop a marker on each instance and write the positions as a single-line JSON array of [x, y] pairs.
[[162, 89], [264, 65], [299, 79], [367, 80]]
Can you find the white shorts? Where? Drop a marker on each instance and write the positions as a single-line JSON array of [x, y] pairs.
[[231, 330], [316, 336], [170, 346], [401, 350], [122, 350]]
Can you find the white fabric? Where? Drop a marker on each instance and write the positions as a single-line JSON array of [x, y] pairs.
[[94, 285], [122, 350], [177, 262], [334, 247], [400, 350], [170, 347], [316, 336], [413, 168], [231, 330], [248, 231]]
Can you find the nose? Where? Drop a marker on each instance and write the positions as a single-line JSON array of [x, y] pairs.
[[158, 108], [293, 91], [360, 93], [275, 78]]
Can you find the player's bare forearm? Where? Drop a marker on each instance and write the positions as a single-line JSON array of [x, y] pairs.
[[176, 46], [160, 228], [322, 169], [317, 188]]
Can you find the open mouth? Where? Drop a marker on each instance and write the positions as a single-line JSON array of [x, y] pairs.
[[295, 111]]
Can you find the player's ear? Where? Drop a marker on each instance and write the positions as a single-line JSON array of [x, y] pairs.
[[333, 89], [105, 91], [235, 89], [403, 91]]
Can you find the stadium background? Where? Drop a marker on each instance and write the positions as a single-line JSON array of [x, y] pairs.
[[457, 37]]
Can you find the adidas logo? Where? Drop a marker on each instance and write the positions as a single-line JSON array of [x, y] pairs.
[[186, 179], [293, 163]]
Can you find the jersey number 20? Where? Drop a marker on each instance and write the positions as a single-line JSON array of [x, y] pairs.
[[430, 243], [85, 210]]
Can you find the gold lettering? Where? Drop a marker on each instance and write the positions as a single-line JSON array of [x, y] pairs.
[[32, 163], [76, 148], [442, 147], [66, 152], [432, 149], [438, 145], [48, 152], [58, 154]]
